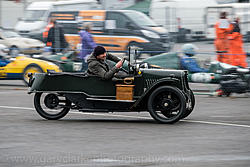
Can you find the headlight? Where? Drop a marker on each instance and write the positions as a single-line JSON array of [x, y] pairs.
[[150, 34], [52, 64]]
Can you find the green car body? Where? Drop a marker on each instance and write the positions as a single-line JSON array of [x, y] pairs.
[[164, 93], [68, 62]]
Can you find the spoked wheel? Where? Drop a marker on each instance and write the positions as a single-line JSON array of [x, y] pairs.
[[167, 104], [51, 106], [191, 107]]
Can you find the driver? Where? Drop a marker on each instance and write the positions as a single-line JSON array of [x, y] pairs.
[[3, 58], [187, 60], [97, 64], [3, 61]]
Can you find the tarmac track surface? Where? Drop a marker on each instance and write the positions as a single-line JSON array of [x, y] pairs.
[[215, 134]]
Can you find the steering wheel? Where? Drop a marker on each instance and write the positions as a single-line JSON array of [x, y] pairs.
[[122, 69]]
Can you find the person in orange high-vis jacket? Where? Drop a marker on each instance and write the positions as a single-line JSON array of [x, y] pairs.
[[46, 31], [236, 46], [222, 29]]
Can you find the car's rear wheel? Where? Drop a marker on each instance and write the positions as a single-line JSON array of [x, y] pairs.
[[167, 104], [51, 106], [32, 68]]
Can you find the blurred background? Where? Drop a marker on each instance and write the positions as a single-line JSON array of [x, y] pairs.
[[183, 20], [153, 27]]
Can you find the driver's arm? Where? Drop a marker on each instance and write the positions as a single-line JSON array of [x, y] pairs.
[[96, 69], [112, 57]]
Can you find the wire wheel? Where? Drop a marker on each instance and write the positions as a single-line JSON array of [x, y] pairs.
[[51, 106], [167, 104]]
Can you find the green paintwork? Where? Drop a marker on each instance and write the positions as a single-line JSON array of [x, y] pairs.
[[67, 62], [94, 86], [165, 60], [172, 61], [73, 83]]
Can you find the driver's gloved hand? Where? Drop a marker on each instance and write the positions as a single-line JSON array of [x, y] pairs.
[[119, 64]]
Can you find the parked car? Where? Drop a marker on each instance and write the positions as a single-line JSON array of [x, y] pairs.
[[18, 44], [19, 67], [165, 94]]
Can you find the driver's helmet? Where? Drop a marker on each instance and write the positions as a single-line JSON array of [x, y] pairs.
[[47, 49], [189, 49]]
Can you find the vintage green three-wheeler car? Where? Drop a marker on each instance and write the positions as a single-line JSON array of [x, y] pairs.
[[165, 94]]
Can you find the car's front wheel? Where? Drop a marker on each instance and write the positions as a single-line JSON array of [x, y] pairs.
[[32, 68], [51, 106], [167, 104]]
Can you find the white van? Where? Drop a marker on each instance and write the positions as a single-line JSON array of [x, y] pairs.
[[183, 18], [37, 14], [241, 10]]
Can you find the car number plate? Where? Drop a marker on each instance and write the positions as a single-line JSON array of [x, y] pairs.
[[77, 66]]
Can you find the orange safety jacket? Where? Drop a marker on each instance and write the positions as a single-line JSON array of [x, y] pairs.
[[221, 43], [46, 32], [236, 49]]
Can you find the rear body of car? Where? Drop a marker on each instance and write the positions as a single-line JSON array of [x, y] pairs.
[[19, 68]]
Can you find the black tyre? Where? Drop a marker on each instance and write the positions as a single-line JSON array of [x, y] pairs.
[[227, 94], [167, 104], [32, 68], [192, 104], [51, 106]]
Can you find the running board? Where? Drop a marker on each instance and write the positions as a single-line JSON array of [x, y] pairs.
[[111, 100], [93, 110]]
